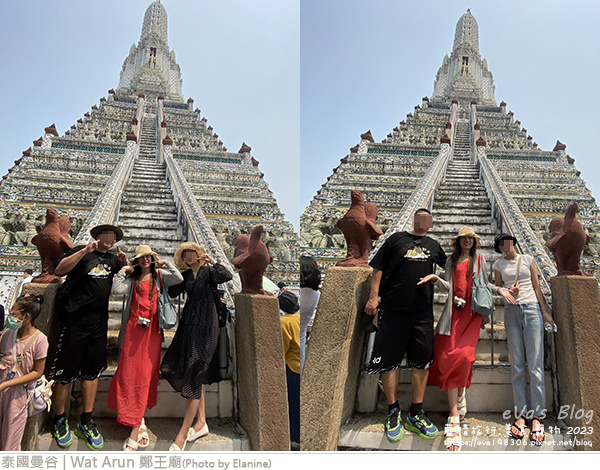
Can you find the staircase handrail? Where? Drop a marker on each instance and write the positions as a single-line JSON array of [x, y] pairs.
[[515, 223], [422, 196], [198, 228], [105, 211]]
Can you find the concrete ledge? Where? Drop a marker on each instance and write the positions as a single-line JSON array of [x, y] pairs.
[[170, 404], [225, 436], [490, 391], [366, 432]]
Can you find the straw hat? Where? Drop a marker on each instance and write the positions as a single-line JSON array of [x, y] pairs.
[[188, 246], [143, 250], [467, 232], [98, 229]]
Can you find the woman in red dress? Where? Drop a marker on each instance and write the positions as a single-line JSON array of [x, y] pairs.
[[134, 385], [457, 331]]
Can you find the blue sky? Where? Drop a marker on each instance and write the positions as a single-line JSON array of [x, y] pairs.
[[239, 62], [300, 80], [365, 65]]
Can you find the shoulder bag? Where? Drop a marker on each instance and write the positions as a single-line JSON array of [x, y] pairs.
[[167, 316], [482, 300], [39, 391]]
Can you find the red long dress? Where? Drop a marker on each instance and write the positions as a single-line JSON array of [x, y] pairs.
[[134, 385], [454, 354]]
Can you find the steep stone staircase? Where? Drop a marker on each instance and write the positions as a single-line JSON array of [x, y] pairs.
[[148, 215], [461, 200]]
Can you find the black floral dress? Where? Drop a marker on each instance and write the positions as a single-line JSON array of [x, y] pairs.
[[186, 364]]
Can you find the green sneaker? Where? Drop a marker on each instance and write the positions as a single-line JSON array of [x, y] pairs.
[[421, 425], [62, 434], [89, 432], [393, 426]]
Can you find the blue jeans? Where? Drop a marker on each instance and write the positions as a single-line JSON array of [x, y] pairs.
[[525, 337]]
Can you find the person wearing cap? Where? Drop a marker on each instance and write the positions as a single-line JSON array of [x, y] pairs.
[[524, 324], [189, 361], [405, 320], [282, 288], [134, 385], [82, 308], [290, 327], [457, 331]]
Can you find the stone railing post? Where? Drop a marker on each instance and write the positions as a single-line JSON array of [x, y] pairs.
[[261, 376], [577, 315], [334, 358], [47, 323]]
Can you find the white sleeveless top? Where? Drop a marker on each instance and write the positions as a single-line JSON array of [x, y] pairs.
[[508, 270]]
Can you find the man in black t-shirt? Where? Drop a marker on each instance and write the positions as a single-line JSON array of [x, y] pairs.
[[82, 308], [405, 320]]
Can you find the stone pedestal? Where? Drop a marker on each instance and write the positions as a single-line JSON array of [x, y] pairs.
[[334, 358], [576, 303], [47, 323], [262, 388]]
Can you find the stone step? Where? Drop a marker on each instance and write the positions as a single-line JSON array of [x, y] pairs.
[[464, 219], [366, 432], [463, 204], [136, 212], [450, 191], [225, 435], [145, 176], [170, 404], [159, 189], [142, 196], [152, 237], [149, 164], [160, 246], [468, 212], [463, 167], [443, 231], [452, 196], [149, 207], [148, 224], [156, 238], [486, 382]]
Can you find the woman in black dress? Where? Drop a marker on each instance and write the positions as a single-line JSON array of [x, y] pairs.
[[186, 364]]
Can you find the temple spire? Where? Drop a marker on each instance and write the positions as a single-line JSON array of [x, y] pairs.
[[150, 68], [464, 76], [155, 22], [467, 33]]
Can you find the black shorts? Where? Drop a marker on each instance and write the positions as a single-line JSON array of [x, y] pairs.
[[400, 332], [80, 353]]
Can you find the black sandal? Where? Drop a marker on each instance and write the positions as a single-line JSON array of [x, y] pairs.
[[540, 431], [521, 428]]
